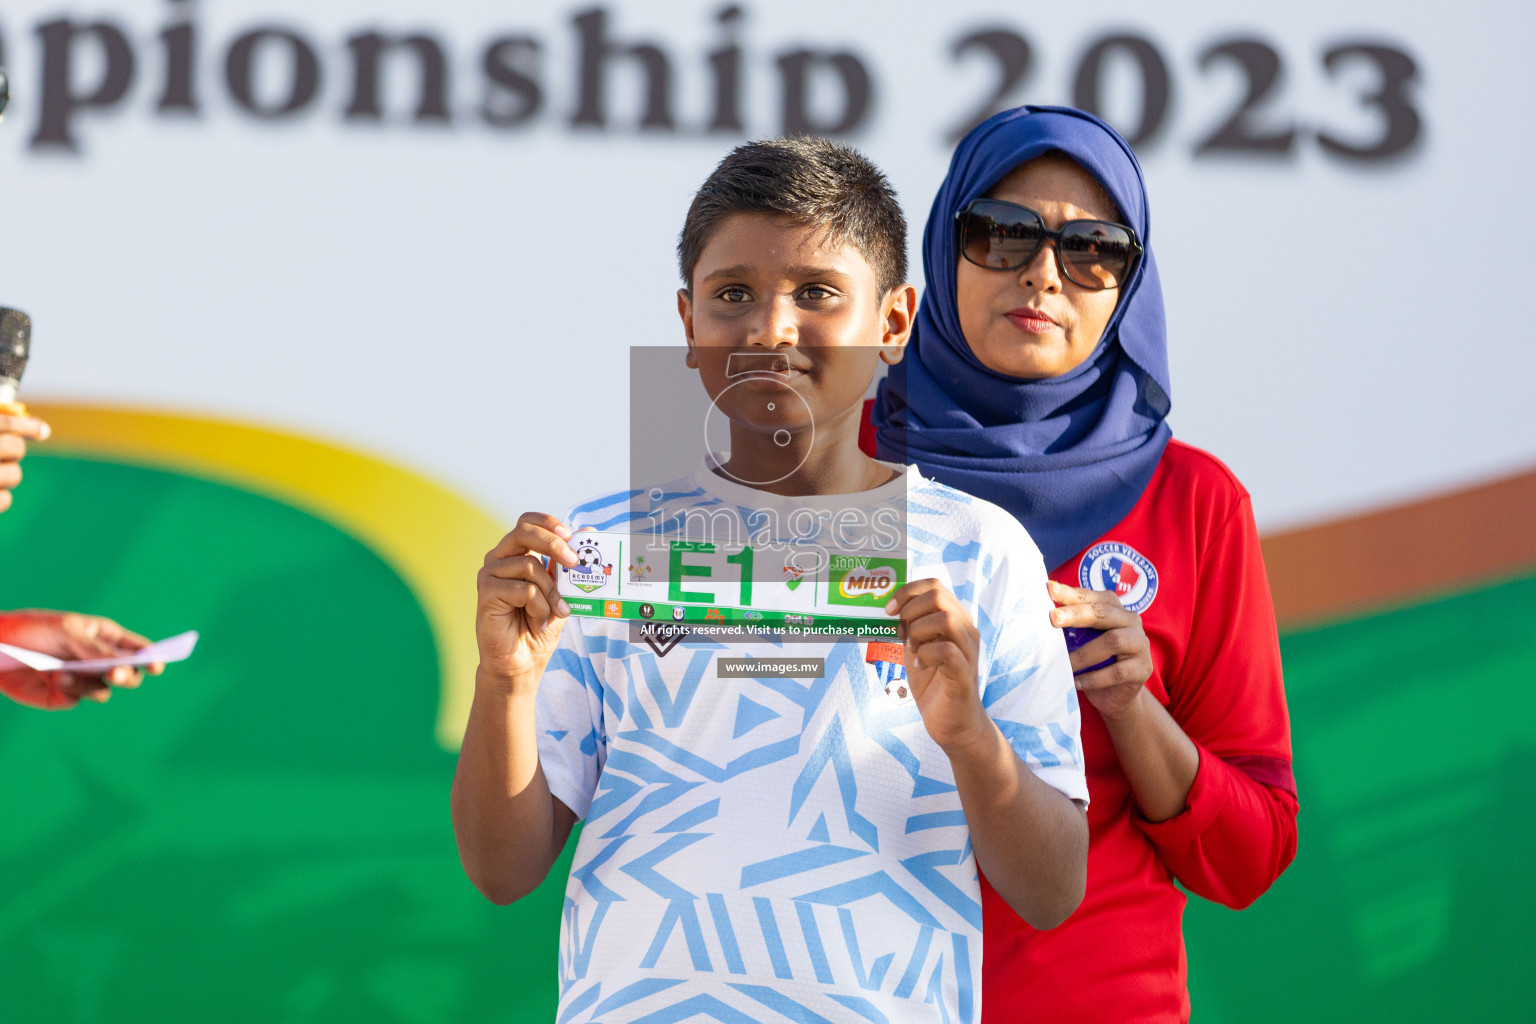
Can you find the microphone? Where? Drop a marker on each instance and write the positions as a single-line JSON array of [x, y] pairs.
[[15, 346]]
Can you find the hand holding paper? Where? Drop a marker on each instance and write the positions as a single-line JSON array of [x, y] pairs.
[[161, 652], [52, 660]]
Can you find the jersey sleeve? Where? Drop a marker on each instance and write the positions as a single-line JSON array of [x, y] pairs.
[[1238, 830], [1026, 675], [568, 714]]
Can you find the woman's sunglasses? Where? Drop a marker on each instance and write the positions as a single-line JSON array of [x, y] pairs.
[[1000, 235]]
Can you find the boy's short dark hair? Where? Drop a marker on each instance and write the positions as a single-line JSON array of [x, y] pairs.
[[810, 181]]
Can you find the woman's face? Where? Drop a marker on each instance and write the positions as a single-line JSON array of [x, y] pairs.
[[1033, 322]]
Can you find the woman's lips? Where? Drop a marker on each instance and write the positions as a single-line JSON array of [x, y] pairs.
[[1030, 321]]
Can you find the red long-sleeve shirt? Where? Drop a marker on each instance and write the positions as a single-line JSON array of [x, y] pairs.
[[1187, 559]]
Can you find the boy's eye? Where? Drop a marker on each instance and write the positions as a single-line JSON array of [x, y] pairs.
[[817, 292], [734, 294]]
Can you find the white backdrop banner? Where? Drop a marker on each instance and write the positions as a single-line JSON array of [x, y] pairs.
[[424, 229]]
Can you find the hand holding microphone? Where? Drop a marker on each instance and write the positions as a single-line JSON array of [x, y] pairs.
[[16, 427]]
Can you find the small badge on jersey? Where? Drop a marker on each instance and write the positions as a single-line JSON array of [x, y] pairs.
[[1121, 569], [890, 669]]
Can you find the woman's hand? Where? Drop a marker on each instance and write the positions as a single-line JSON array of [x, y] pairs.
[[1112, 689], [942, 655], [69, 637], [520, 614]]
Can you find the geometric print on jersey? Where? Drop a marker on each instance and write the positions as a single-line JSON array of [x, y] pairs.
[[635, 786]]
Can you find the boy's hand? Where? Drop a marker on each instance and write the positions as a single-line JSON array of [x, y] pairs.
[[1114, 688], [941, 655], [520, 614]]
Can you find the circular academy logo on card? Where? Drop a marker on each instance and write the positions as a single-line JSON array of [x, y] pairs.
[[590, 572], [1120, 568]]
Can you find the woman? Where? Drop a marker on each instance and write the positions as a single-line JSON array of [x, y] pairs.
[[1037, 378]]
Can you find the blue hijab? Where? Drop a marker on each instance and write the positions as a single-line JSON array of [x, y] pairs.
[[1069, 455]]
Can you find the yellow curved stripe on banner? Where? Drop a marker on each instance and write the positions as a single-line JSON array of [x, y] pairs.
[[432, 538]]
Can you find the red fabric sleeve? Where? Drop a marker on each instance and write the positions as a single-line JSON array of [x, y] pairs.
[[1238, 830], [1234, 839], [867, 429]]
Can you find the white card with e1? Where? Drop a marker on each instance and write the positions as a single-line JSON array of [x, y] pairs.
[[779, 578]]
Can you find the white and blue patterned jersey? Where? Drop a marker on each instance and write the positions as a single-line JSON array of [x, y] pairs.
[[759, 849]]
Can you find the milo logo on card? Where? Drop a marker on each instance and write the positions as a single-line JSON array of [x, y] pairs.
[[864, 581], [871, 583]]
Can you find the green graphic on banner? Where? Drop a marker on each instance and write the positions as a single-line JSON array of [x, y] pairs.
[[251, 838], [1409, 901]]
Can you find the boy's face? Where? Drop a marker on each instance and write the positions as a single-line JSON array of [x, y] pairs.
[[775, 306]]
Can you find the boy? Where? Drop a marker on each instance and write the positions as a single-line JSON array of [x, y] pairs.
[[771, 848]]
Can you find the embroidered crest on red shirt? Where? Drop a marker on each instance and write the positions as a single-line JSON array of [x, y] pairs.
[[1121, 569]]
